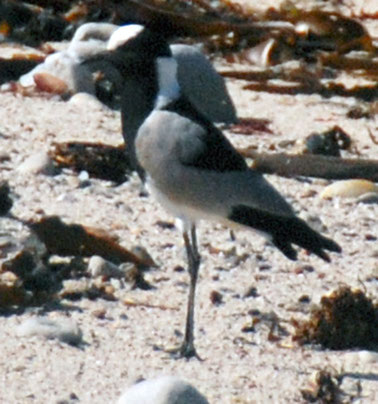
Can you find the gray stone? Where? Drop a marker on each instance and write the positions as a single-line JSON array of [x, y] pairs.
[[98, 266], [162, 390], [64, 330]]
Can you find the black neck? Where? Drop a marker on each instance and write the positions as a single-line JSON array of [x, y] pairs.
[[139, 90], [138, 96]]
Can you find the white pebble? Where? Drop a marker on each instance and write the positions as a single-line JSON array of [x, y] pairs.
[[84, 100], [162, 390], [64, 330], [98, 266], [39, 163]]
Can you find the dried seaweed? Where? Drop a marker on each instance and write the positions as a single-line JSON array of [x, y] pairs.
[[77, 240], [12, 292], [99, 160], [300, 81], [322, 39], [345, 319], [328, 143], [365, 93], [248, 126]]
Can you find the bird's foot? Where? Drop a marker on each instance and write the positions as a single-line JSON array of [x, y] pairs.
[[185, 350]]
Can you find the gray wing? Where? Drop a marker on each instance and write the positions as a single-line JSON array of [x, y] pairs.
[[203, 145]]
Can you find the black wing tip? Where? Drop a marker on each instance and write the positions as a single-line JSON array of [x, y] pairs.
[[285, 231], [334, 247], [326, 244], [285, 247]]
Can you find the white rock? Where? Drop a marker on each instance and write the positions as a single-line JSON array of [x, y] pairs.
[[84, 100], [162, 390], [98, 266], [64, 330], [39, 163]]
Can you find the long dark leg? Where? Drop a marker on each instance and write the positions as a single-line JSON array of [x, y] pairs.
[[187, 348]]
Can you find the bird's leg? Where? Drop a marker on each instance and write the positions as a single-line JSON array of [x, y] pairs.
[[187, 349]]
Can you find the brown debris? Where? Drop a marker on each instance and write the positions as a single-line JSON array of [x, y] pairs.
[[248, 126], [345, 319], [271, 320], [328, 167], [324, 389], [90, 291], [358, 112], [134, 303], [366, 92], [12, 292], [328, 143], [136, 279], [24, 276], [216, 298], [329, 30], [77, 240], [99, 160]]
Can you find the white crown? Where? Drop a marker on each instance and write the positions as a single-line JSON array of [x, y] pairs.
[[123, 35]]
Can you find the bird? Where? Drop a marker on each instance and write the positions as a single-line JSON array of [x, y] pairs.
[[88, 40], [201, 84], [190, 167]]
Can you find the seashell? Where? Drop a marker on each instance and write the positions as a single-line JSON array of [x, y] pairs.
[[49, 83], [348, 189]]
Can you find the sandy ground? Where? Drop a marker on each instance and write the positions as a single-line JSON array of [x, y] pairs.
[[120, 346]]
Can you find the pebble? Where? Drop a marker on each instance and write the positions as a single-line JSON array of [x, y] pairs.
[[143, 255], [348, 189], [216, 297], [251, 291], [84, 180], [84, 100], [4, 156], [162, 390], [98, 266], [39, 163], [64, 330], [50, 83]]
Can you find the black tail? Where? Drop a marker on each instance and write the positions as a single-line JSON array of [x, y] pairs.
[[285, 231]]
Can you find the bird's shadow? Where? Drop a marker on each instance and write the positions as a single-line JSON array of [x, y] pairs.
[[361, 376]]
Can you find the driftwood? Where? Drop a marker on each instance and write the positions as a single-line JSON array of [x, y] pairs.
[[311, 165], [76, 240]]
